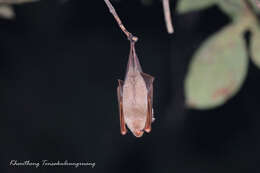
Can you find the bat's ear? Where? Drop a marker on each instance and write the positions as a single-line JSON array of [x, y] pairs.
[[148, 80]]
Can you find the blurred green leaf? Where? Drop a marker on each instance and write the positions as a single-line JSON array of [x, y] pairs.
[[217, 70], [193, 5], [233, 8], [255, 46], [255, 5]]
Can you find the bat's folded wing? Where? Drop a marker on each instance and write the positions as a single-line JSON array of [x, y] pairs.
[[148, 80], [120, 104], [149, 84]]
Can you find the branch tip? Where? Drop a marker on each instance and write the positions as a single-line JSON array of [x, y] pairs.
[[167, 16], [112, 10]]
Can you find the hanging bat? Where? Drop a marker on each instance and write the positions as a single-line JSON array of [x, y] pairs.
[[135, 97]]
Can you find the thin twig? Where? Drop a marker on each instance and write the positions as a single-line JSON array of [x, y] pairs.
[[167, 16], [113, 12]]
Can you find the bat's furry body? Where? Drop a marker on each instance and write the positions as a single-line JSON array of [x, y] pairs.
[[135, 96]]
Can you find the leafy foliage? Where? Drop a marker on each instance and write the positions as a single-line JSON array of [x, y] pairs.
[[255, 46], [217, 71], [219, 66], [189, 5]]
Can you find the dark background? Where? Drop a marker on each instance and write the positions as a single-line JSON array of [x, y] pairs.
[[59, 65]]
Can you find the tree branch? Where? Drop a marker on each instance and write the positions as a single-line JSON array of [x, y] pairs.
[[122, 27], [167, 16]]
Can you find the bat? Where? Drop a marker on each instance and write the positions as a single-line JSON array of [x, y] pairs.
[[135, 97]]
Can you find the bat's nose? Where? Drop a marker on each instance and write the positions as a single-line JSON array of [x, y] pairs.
[[138, 133]]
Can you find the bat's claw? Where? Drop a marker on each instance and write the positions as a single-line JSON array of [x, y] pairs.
[[148, 129], [123, 132]]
